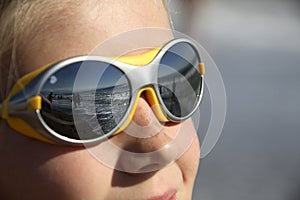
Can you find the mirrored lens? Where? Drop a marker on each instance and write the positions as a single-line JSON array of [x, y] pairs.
[[112, 98], [90, 110], [179, 81]]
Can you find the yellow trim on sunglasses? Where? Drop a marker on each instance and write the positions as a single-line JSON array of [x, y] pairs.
[[34, 103]]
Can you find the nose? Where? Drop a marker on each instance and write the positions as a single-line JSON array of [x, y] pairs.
[[145, 133], [144, 123], [147, 140], [146, 144], [143, 114]]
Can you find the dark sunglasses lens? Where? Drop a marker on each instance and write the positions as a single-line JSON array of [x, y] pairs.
[[112, 98], [179, 81], [91, 110]]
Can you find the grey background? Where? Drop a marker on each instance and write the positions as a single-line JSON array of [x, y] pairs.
[[256, 46]]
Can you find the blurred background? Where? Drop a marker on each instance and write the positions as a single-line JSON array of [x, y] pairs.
[[256, 46]]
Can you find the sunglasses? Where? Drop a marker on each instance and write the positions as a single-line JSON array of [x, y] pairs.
[[85, 99]]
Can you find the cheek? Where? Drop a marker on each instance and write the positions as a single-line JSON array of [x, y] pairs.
[[41, 171], [78, 175], [189, 161]]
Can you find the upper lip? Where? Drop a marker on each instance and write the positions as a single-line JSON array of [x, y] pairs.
[[165, 196]]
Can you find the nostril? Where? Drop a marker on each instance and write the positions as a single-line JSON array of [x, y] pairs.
[[150, 168], [170, 124], [146, 162], [136, 166]]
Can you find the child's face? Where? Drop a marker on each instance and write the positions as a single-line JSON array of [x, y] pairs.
[[34, 170]]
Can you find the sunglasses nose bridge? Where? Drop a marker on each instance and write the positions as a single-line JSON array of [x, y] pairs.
[[142, 76], [151, 97]]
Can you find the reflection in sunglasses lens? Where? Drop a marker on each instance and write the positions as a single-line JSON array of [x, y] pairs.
[[99, 108], [112, 98], [179, 82]]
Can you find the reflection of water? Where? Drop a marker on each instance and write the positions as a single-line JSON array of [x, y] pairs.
[[103, 111], [63, 105], [95, 115]]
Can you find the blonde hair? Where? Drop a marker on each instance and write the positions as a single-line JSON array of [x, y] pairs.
[[18, 18], [15, 20], [8, 40]]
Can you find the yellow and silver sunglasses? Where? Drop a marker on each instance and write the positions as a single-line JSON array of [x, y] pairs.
[[85, 99]]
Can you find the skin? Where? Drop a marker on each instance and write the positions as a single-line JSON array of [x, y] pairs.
[[31, 169]]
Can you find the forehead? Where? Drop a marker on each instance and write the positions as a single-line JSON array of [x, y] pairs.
[[78, 29]]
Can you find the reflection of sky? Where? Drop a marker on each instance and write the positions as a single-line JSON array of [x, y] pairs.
[[177, 59], [93, 73], [62, 81], [90, 75]]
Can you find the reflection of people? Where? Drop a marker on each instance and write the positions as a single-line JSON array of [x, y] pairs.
[[47, 104], [39, 170], [76, 99], [51, 96]]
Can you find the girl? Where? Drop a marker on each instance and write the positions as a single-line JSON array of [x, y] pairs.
[[34, 33]]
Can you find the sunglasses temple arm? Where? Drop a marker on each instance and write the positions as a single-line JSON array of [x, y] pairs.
[[13, 109]]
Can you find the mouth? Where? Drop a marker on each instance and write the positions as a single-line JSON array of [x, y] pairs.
[[169, 195]]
